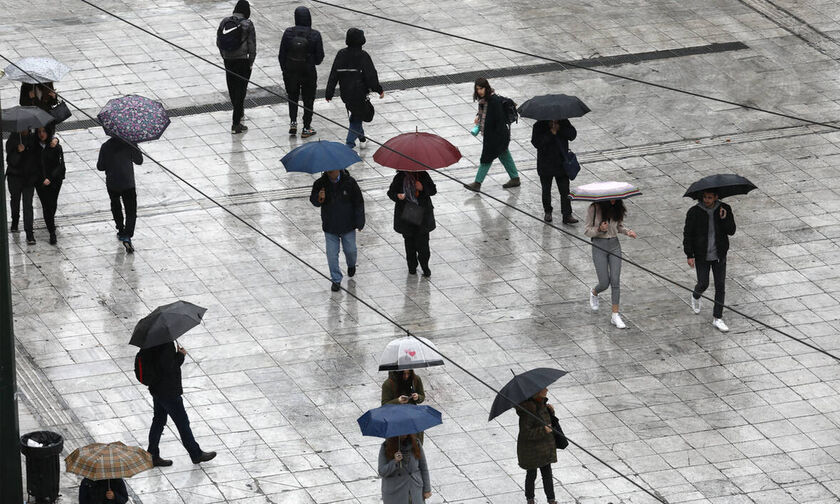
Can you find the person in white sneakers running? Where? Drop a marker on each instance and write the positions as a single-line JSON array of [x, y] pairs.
[[708, 226], [604, 222]]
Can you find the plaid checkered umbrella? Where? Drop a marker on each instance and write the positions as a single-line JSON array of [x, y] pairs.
[[134, 118], [99, 461]]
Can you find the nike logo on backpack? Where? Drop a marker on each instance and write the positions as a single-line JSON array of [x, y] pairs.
[[225, 32]]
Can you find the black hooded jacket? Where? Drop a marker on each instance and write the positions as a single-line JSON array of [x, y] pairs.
[[302, 27], [117, 160], [343, 209], [167, 361], [22, 164], [48, 160], [354, 73], [551, 148]]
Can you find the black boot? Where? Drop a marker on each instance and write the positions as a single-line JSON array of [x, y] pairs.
[[14, 228]]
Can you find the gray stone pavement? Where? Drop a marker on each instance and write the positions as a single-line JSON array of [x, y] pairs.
[[281, 368]]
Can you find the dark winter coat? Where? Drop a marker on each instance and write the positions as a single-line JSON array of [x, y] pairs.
[[22, 164], [117, 160], [551, 148], [535, 447], [49, 161], [343, 209], [45, 102], [395, 386], [696, 231], [167, 361], [424, 199], [303, 26], [93, 492], [354, 73], [496, 130]]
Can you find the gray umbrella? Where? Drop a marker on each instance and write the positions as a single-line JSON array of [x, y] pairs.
[[36, 70], [24, 118]]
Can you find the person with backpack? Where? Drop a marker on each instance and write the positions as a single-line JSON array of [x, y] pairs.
[[159, 368], [301, 49], [21, 177], [117, 159], [356, 76], [493, 122], [551, 139], [49, 159], [236, 39]]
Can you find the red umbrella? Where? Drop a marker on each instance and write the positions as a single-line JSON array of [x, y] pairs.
[[429, 149]]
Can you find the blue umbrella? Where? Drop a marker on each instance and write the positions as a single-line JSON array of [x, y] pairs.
[[320, 156], [393, 420]]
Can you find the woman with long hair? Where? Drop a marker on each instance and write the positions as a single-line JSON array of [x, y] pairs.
[[493, 126], [414, 188], [604, 222], [49, 159], [405, 475]]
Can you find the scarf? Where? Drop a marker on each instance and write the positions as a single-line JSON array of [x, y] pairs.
[[409, 189], [482, 114]]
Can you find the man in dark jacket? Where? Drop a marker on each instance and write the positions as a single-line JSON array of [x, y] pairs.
[[49, 159], [708, 226], [551, 138], [236, 39], [117, 159], [342, 213], [355, 75], [166, 396], [21, 176], [301, 49]]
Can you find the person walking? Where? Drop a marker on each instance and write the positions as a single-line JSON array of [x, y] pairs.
[[166, 393], [301, 50], [551, 139], [342, 214], [117, 159], [414, 188], [236, 39], [708, 226], [21, 177], [403, 387], [38, 95], [49, 160], [535, 445], [604, 222], [492, 124], [109, 491], [405, 475], [356, 76]]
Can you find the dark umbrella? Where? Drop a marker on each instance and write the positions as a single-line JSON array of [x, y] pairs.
[[24, 118], [553, 106], [393, 420], [724, 184], [166, 323], [134, 118], [521, 387], [431, 150], [320, 156]]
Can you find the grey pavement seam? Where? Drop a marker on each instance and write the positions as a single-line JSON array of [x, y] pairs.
[[785, 19]]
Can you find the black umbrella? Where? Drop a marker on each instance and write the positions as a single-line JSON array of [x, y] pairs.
[[522, 387], [24, 118], [166, 323], [724, 184], [553, 106]]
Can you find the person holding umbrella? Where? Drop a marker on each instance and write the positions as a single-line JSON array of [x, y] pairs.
[[551, 139], [117, 159], [105, 491], [103, 467], [21, 177], [535, 445], [414, 216], [492, 124], [49, 157]]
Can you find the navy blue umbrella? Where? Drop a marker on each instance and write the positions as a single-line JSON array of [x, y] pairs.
[[320, 156], [393, 420]]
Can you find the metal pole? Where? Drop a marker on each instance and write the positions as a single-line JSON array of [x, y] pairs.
[[11, 481]]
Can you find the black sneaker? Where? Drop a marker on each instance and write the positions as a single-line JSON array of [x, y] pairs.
[[129, 248], [362, 139], [160, 462], [307, 132], [427, 272], [335, 287], [53, 239], [204, 457], [351, 271], [30, 239], [293, 128], [412, 271], [14, 228], [238, 128]]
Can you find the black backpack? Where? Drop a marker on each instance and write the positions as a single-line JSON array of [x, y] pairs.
[[509, 106], [298, 52], [145, 369], [231, 34]]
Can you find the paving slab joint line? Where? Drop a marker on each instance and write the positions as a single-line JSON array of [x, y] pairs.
[[798, 27]]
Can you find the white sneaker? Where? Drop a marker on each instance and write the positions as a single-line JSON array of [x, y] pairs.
[[720, 325], [593, 301], [616, 321], [695, 304]]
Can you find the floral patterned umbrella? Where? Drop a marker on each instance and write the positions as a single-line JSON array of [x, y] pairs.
[[134, 118]]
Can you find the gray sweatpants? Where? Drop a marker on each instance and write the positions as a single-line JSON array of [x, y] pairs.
[[608, 267]]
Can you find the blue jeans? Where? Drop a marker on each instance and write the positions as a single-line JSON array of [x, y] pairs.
[[174, 408], [355, 127], [347, 241]]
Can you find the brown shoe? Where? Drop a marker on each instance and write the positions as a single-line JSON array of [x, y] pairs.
[[570, 220], [475, 186], [514, 182]]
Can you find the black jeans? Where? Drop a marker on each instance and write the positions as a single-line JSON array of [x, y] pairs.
[[562, 188], [18, 189], [129, 199], [298, 85], [547, 479], [719, 271], [174, 408], [417, 250], [237, 87], [49, 202]]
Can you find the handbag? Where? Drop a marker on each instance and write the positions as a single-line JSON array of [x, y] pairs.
[[60, 112], [560, 440], [412, 213], [369, 111], [571, 165]]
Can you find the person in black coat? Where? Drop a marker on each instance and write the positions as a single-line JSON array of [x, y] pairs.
[[492, 124], [356, 76], [551, 138], [117, 159], [49, 160], [301, 49], [111, 491], [21, 177], [418, 188], [338, 196], [708, 226], [166, 393]]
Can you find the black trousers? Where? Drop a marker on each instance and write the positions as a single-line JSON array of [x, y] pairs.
[[719, 271], [49, 202], [562, 188], [19, 190], [127, 198], [237, 87], [547, 479], [173, 407], [301, 85], [417, 250]]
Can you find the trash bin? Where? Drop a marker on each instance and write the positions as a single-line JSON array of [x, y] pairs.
[[43, 464]]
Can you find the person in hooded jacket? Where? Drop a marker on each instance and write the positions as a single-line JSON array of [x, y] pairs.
[[110, 491], [492, 124], [239, 61], [21, 177], [301, 50], [49, 159], [356, 76], [339, 197], [417, 188], [117, 159], [551, 138]]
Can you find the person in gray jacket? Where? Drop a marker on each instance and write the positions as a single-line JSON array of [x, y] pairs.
[[117, 159], [236, 39], [405, 475]]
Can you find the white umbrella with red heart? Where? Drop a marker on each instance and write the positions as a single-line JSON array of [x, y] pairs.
[[411, 352]]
